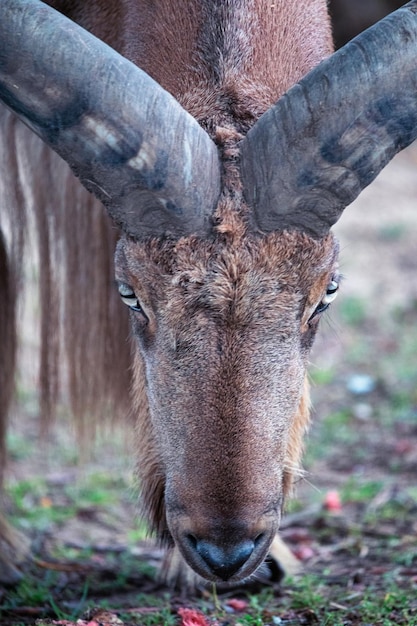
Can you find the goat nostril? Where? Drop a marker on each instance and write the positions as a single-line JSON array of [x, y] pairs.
[[259, 539], [224, 562]]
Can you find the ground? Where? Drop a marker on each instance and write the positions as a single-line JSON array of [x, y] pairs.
[[352, 522]]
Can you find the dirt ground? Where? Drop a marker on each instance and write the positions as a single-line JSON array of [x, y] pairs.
[[363, 439]]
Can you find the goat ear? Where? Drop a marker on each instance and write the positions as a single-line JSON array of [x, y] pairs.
[[130, 143], [328, 137]]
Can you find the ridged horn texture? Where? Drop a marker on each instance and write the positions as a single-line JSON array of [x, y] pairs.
[[328, 137], [129, 141]]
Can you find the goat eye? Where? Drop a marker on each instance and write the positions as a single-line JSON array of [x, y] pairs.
[[128, 297], [330, 295]]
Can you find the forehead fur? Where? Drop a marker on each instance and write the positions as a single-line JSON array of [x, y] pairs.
[[221, 274]]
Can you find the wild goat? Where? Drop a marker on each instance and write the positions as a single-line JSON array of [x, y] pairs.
[[224, 193]]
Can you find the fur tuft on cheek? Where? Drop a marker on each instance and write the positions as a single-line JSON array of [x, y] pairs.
[[295, 448], [150, 471]]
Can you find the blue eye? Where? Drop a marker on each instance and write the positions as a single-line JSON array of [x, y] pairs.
[[330, 295], [128, 297]]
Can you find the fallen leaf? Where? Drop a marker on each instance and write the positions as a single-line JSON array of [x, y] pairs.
[[101, 617], [237, 605], [191, 617], [303, 552], [403, 446], [332, 502]]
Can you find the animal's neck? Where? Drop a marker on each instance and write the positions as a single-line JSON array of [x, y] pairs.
[[225, 61], [233, 57]]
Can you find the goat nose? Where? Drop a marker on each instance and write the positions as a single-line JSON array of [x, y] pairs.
[[223, 562]]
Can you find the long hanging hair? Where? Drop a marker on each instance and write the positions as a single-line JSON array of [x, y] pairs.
[[84, 337]]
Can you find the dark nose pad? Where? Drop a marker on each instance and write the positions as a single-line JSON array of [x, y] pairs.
[[223, 562]]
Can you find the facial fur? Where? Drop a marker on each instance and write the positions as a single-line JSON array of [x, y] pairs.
[[223, 338]]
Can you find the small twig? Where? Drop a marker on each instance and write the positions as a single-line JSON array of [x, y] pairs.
[[144, 610], [64, 567], [216, 600], [96, 547], [341, 607], [25, 610]]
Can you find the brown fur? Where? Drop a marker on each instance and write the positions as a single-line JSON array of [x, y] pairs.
[[192, 50], [228, 318], [79, 307], [238, 307]]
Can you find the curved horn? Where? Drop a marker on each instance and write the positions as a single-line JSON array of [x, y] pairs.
[[130, 142], [328, 137]]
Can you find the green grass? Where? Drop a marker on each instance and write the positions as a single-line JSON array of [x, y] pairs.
[[321, 376], [38, 592], [392, 605], [359, 490], [392, 232], [33, 506], [352, 310], [38, 504], [309, 599]]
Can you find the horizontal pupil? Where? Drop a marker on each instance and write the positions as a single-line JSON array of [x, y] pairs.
[[332, 287]]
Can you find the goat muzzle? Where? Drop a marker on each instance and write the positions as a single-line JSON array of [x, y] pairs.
[[227, 551]]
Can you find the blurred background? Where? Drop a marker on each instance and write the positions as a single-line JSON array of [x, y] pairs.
[[350, 17]]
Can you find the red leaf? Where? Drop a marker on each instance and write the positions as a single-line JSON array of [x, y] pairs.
[[303, 552], [237, 605], [190, 617], [332, 502]]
